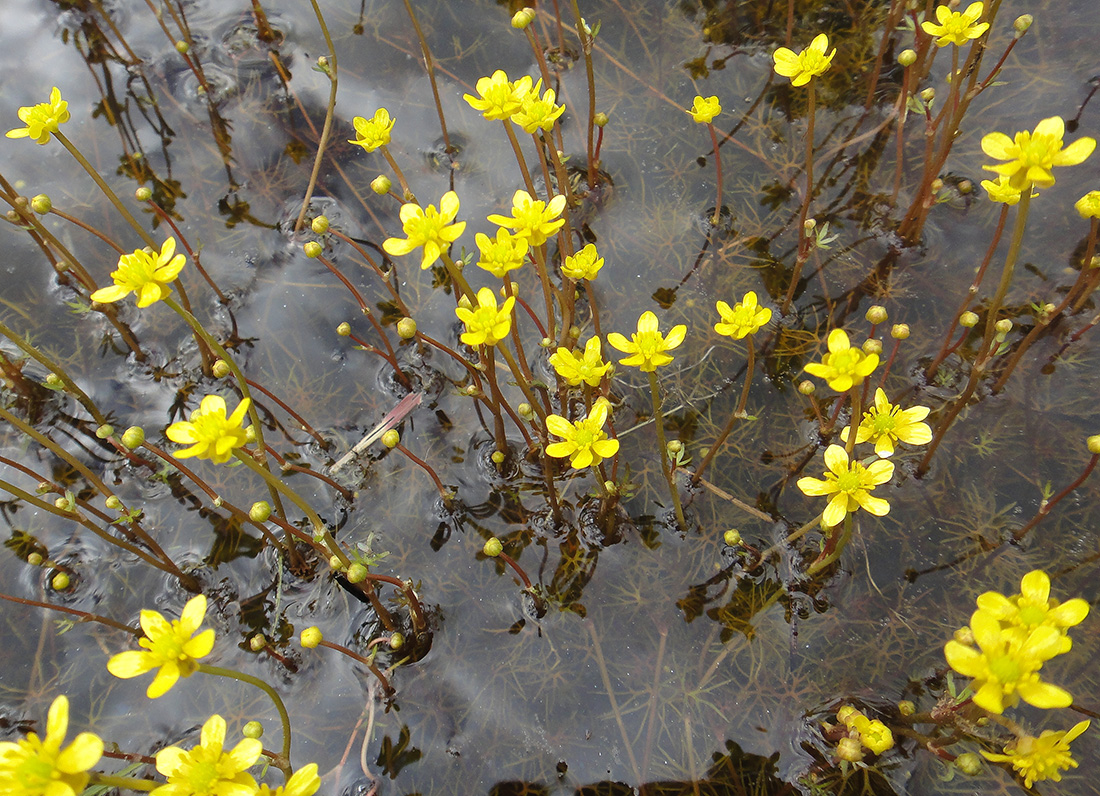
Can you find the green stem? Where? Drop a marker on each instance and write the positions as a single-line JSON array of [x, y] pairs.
[[330, 112], [123, 783], [1009, 267], [658, 420], [855, 395], [718, 175], [738, 413], [803, 239], [267, 689]]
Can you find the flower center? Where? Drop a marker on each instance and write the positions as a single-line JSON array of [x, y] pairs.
[[1038, 150], [202, 777], [850, 481], [1006, 669], [884, 423], [1032, 615]]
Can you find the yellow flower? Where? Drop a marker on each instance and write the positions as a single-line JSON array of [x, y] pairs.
[[875, 735], [647, 346], [1041, 758], [585, 443], [533, 219], [1088, 205], [585, 264], [374, 132], [589, 368], [955, 27], [170, 647], [209, 432], [36, 766], [145, 274], [303, 782], [1031, 156], [486, 325], [1005, 667], [535, 113], [207, 769], [844, 366], [499, 98], [505, 253], [850, 485], [745, 318], [884, 424], [1033, 607], [809, 63], [1001, 190], [704, 110], [427, 227], [42, 119]]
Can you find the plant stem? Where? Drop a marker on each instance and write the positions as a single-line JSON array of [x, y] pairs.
[[803, 239], [267, 689], [738, 413], [654, 391], [330, 112]]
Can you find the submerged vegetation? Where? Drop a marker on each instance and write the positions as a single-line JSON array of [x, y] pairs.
[[516, 490]]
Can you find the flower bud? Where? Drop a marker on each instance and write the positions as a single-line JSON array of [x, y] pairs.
[[1022, 23], [601, 119], [143, 194], [344, 329], [732, 537], [493, 547], [357, 573], [876, 314], [968, 319], [937, 185], [611, 487], [969, 763], [907, 57], [872, 346], [1003, 326], [311, 637], [113, 503], [525, 411], [312, 249], [900, 331], [391, 439], [545, 342], [253, 729], [847, 714], [1094, 444], [807, 387], [63, 504], [105, 431], [54, 382], [810, 224], [522, 18], [221, 369], [497, 457], [465, 303], [319, 225], [41, 204], [406, 328], [964, 635], [906, 707], [381, 184], [849, 749], [259, 511], [334, 562], [133, 437], [250, 434], [674, 447], [397, 641], [928, 94], [60, 581], [257, 642], [35, 559], [183, 47]]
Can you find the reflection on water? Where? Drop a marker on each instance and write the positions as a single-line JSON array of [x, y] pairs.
[[667, 661]]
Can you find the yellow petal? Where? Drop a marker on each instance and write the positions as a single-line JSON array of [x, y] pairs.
[[213, 732], [1075, 153], [1044, 695], [165, 678], [836, 459], [83, 753], [997, 145], [130, 664]]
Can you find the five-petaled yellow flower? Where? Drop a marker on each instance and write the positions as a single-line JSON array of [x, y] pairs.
[[303, 782], [505, 253], [172, 648], [485, 324], [884, 424], [1088, 206], [35, 766], [1001, 190], [1045, 757], [585, 442], [1033, 607], [207, 769], [433, 229], [374, 132], [703, 110], [500, 98], [745, 318], [145, 274], [801, 67], [1005, 667], [588, 368], [850, 485], [647, 346], [585, 264], [844, 366], [1031, 156], [956, 27], [532, 218], [209, 432], [537, 113], [42, 119]]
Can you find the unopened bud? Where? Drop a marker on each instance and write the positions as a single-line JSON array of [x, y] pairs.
[[313, 249], [143, 194], [257, 642], [259, 511], [397, 641], [344, 329], [732, 537], [810, 224], [1094, 444], [406, 328], [105, 431], [907, 57], [335, 562], [41, 204], [250, 434], [969, 763], [674, 447], [54, 382], [133, 437], [319, 225], [60, 581], [357, 573], [1003, 326], [498, 457], [928, 94], [311, 637], [493, 547], [464, 302], [253, 729], [381, 184], [113, 503], [876, 314], [900, 331], [964, 635], [872, 346], [807, 387], [906, 707], [221, 369], [522, 18], [1022, 23], [849, 749], [35, 559], [391, 439], [601, 119], [63, 504], [968, 319], [545, 342], [525, 411]]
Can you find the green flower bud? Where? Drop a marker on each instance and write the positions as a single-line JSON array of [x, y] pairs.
[[849, 749], [143, 194], [732, 537], [1094, 444], [35, 559], [397, 641], [522, 18], [221, 369], [876, 314], [254, 730], [497, 457], [906, 707], [406, 328], [311, 637], [968, 319], [257, 642], [319, 225], [334, 561], [900, 331], [872, 346], [313, 249], [969, 763], [63, 504], [105, 431], [60, 581], [545, 342], [381, 184], [674, 447], [601, 119], [183, 47], [907, 57], [259, 511], [113, 503], [1022, 23], [250, 434], [133, 437], [54, 382], [807, 387], [493, 547], [525, 411], [391, 439], [611, 487], [41, 204], [357, 573], [465, 303], [965, 636], [810, 224], [928, 94], [344, 329]]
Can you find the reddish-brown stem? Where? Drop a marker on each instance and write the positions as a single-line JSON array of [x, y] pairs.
[[1046, 507]]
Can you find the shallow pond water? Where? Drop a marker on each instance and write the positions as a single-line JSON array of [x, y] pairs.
[[663, 663]]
